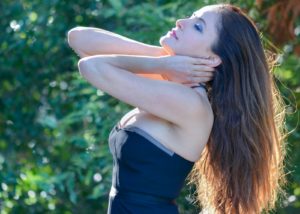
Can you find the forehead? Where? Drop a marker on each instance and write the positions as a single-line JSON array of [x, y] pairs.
[[208, 13], [209, 8]]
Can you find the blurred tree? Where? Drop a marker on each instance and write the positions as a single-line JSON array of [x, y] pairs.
[[54, 126], [282, 17]]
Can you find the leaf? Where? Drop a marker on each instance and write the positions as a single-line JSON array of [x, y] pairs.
[[116, 4], [70, 187], [98, 191]]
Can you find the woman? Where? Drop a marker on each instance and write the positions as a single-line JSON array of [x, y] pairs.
[[229, 136]]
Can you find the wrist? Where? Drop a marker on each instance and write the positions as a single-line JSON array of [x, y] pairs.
[[162, 52], [161, 65]]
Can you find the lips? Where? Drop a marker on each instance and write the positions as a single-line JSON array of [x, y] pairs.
[[174, 33]]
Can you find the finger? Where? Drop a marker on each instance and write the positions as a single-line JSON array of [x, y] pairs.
[[202, 61], [201, 79], [203, 68], [189, 80], [202, 74], [213, 62]]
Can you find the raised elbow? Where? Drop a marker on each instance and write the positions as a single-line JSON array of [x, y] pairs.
[[74, 34], [84, 66], [90, 68]]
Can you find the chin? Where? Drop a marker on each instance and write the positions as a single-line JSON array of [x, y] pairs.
[[166, 44]]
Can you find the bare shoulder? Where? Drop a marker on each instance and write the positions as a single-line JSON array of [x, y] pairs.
[[194, 132], [203, 114]]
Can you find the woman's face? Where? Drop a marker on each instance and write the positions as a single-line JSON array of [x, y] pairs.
[[193, 36]]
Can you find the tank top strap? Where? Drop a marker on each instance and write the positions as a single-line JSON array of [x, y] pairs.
[[200, 85], [119, 123]]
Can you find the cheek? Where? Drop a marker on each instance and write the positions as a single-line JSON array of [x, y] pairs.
[[197, 46], [190, 46]]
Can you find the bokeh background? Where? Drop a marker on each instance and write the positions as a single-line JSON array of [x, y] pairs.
[[54, 126]]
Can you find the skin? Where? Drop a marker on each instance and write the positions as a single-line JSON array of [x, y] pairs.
[[194, 37], [183, 133], [195, 43]]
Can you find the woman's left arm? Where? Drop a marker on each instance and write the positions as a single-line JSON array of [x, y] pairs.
[[171, 101], [132, 63]]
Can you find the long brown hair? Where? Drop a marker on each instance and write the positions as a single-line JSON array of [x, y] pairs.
[[241, 169]]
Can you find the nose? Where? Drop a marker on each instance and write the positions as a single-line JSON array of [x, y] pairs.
[[179, 23]]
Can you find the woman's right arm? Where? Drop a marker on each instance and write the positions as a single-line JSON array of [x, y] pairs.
[[89, 41]]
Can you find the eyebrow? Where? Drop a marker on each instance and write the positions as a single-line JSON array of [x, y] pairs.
[[200, 19]]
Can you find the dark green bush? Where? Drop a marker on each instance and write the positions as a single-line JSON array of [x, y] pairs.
[[54, 126]]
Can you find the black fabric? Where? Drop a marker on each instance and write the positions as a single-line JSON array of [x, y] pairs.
[[147, 177]]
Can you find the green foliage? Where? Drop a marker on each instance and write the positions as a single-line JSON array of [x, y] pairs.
[[54, 155]]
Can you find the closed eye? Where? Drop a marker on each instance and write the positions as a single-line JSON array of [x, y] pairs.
[[198, 27]]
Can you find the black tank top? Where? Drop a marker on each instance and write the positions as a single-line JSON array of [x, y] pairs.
[[147, 177]]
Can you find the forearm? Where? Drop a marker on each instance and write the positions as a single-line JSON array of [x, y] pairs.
[[134, 64], [89, 41], [137, 64]]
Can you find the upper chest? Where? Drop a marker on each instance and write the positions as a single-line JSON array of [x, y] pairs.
[[188, 144]]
